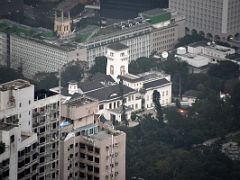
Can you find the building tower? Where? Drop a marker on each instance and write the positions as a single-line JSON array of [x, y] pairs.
[[63, 24], [117, 60]]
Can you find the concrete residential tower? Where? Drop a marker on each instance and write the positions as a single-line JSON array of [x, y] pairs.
[[218, 19]]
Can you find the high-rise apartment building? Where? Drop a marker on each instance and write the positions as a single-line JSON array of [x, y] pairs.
[[215, 19], [45, 123], [126, 9], [89, 150], [19, 159], [29, 129]]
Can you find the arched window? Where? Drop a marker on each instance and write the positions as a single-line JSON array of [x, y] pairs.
[[122, 70], [112, 69]]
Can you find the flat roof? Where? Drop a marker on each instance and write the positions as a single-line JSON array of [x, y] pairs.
[[117, 46], [14, 85], [80, 101]]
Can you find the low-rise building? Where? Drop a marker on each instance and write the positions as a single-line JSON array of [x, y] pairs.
[[37, 50], [198, 55]]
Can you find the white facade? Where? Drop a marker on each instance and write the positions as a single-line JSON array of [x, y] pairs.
[[17, 98], [215, 17], [16, 102], [117, 63], [165, 96], [200, 55]]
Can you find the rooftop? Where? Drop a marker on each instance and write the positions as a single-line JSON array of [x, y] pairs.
[[40, 35], [157, 15], [156, 83], [14, 85], [147, 76], [80, 101], [117, 46], [105, 134], [109, 92], [41, 94]]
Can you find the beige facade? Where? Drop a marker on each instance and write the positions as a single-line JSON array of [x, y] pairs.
[[217, 19], [46, 124], [88, 149]]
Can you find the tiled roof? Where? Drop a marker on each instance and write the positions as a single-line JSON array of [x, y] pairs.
[[109, 92], [156, 83]]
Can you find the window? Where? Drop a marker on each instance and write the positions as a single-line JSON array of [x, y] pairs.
[[97, 150], [12, 138], [122, 54], [100, 106], [122, 70], [96, 160], [82, 146], [90, 158], [111, 69], [111, 54]]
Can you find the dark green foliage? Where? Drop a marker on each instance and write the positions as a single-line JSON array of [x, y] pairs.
[[224, 70], [99, 66], [73, 71], [2, 147], [157, 152], [158, 108], [141, 65], [189, 39], [49, 81], [7, 74]]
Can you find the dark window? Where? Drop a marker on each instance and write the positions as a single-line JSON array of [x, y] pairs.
[[96, 160], [90, 148], [90, 168], [97, 150], [35, 156], [12, 138], [53, 176], [27, 160], [100, 106], [34, 167], [81, 175], [82, 155], [42, 160], [42, 149], [96, 169], [90, 158], [89, 177], [82, 146], [41, 170], [42, 139]]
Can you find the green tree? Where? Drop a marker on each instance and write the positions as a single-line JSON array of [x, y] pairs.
[[224, 70], [73, 71], [8, 74], [49, 81], [142, 65], [158, 108], [99, 66]]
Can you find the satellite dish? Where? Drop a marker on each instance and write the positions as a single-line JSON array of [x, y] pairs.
[[165, 54]]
